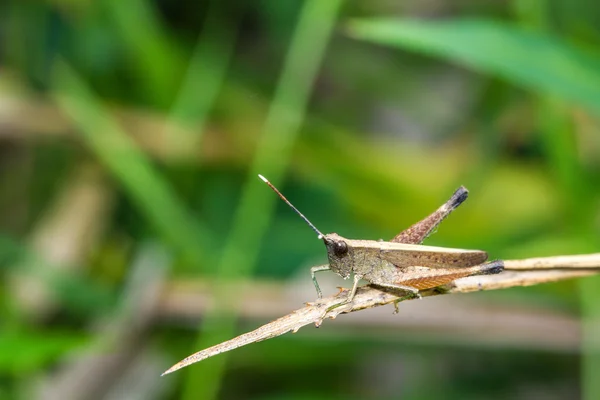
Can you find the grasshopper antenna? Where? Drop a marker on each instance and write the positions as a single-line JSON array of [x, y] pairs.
[[314, 228]]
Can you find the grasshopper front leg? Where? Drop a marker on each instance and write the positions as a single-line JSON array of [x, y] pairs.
[[318, 268], [357, 279]]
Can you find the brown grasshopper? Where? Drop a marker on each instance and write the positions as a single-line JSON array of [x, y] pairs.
[[398, 264]]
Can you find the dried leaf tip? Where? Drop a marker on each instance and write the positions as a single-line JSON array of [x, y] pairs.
[[173, 369]]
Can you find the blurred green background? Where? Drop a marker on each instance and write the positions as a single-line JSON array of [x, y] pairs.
[[134, 230]]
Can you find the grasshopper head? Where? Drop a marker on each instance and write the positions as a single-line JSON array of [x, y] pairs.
[[339, 254]]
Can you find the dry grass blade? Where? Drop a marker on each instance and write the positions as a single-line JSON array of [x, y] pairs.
[[545, 270], [544, 263]]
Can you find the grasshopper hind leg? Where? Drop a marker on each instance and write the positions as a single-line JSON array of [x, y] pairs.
[[412, 290], [491, 268]]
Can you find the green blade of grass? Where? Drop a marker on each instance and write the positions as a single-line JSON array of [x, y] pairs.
[[130, 166], [153, 55], [534, 60], [205, 75], [256, 205]]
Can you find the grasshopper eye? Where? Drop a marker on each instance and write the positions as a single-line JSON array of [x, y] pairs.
[[340, 248]]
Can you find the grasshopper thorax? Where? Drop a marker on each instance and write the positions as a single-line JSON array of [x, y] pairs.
[[339, 254]]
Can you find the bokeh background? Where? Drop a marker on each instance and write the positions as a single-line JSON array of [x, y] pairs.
[[134, 230]]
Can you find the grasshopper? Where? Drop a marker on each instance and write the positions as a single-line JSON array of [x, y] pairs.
[[401, 264]]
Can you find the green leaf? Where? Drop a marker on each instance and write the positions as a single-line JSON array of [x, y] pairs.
[[130, 165], [530, 59]]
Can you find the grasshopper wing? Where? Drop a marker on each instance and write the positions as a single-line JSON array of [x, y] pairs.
[[405, 255]]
